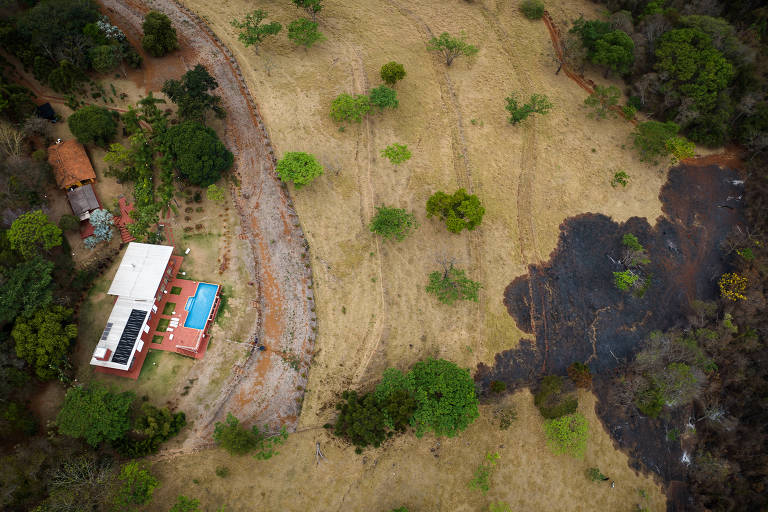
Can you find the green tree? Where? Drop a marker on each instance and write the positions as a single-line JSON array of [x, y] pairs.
[[198, 154], [32, 233], [184, 504], [392, 72], [615, 51], [104, 58], [215, 193], [298, 168], [384, 97], [694, 68], [446, 398], [304, 32], [136, 486], [650, 138], [95, 414], [346, 107], [552, 400], [680, 148], [159, 35], [392, 223], [66, 77], [92, 124], [451, 47], [311, 6], [252, 32], [538, 104], [235, 439], [43, 339], [590, 32], [567, 435], [451, 285], [191, 95], [625, 280], [533, 9], [459, 211], [603, 100], [26, 288], [69, 222], [396, 153], [361, 420]]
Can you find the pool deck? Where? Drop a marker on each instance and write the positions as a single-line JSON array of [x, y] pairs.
[[185, 341]]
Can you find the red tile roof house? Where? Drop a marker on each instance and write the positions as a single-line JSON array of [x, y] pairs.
[[74, 173], [144, 286]]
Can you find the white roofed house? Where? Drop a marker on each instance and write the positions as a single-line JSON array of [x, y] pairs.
[[139, 284]]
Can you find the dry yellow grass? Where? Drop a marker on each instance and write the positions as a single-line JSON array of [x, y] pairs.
[[372, 309]]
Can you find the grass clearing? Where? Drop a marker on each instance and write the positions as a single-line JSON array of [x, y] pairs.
[[169, 308], [175, 290], [162, 324]]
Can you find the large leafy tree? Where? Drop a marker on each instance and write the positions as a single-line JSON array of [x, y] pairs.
[[446, 398], [159, 35], [25, 288], [252, 31], [614, 51], [392, 223], [93, 124], [298, 168], [198, 154], [95, 414], [451, 47], [191, 95], [459, 211], [43, 339], [104, 58], [694, 68], [32, 233]]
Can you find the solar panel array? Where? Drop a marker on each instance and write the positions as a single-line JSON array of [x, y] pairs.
[[106, 331], [129, 336]]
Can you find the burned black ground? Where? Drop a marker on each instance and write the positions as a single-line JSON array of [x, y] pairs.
[[574, 312]]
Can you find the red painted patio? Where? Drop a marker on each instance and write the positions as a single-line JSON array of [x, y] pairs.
[[180, 339]]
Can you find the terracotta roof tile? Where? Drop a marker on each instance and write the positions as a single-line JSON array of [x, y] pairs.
[[70, 163]]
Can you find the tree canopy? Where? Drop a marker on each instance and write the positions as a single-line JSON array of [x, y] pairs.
[[396, 153], [43, 339], [538, 104], [567, 435], [298, 168], [198, 154], [159, 35], [392, 72], [451, 285], [602, 101], [384, 97], [191, 95], [392, 223], [614, 51], [459, 211], [346, 107], [92, 124], [451, 47], [25, 288], [252, 31], [304, 32], [32, 233], [95, 414], [446, 398], [137, 485]]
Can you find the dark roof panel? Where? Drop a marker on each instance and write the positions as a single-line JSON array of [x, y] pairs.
[[129, 336]]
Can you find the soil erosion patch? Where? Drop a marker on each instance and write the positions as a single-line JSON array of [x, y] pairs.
[[575, 312]]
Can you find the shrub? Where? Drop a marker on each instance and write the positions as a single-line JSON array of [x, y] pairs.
[[538, 104], [222, 471], [733, 286], [459, 211], [69, 222], [567, 435], [451, 47], [482, 478], [137, 485], [159, 36], [498, 386], [594, 475], [396, 153], [580, 374], [184, 504], [238, 441], [629, 112], [392, 223], [392, 72], [304, 32], [650, 138], [620, 178], [625, 280], [446, 398], [602, 101], [384, 97], [451, 285], [350, 108], [298, 168], [551, 400], [93, 124], [533, 9], [361, 420], [252, 32]]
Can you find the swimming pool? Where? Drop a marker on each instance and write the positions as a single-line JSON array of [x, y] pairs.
[[200, 305]]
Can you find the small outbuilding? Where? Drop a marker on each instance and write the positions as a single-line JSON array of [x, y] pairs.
[[71, 165], [83, 201]]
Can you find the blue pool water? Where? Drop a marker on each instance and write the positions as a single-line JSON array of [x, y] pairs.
[[200, 305]]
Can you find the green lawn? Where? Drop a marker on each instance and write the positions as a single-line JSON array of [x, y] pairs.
[[162, 325], [170, 307], [176, 290], [157, 339]]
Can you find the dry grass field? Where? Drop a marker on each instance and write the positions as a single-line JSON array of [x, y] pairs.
[[372, 309]]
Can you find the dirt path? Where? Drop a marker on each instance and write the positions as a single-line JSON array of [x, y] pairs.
[[266, 388]]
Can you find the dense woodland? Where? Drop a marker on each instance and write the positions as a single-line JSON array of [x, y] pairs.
[[701, 66]]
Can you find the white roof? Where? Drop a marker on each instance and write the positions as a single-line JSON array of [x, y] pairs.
[[116, 323], [141, 271]]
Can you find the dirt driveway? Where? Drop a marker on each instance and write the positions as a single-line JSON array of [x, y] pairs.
[[266, 389]]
